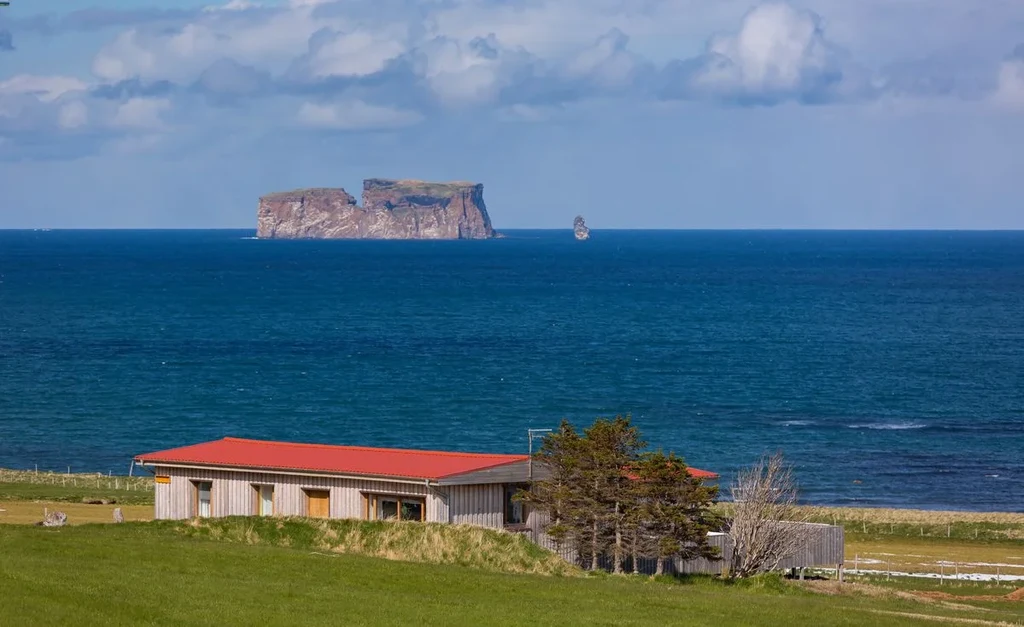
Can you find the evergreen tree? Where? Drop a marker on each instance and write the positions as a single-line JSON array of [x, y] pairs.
[[561, 455], [611, 447], [673, 508], [603, 494]]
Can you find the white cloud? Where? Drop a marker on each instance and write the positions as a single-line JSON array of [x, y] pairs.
[[355, 53], [45, 88], [1009, 91], [522, 60], [234, 5], [607, 62], [777, 49], [272, 40], [124, 58], [355, 115], [141, 113], [466, 73], [73, 115]]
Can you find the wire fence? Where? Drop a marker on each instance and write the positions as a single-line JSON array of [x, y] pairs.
[[935, 568], [76, 480]]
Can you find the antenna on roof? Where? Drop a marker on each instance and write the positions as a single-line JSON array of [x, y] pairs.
[[530, 434]]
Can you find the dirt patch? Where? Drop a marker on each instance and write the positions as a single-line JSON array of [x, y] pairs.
[[1016, 595], [945, 619]]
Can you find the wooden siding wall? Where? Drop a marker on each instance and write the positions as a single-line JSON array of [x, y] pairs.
[[482, 505], [233, 495]]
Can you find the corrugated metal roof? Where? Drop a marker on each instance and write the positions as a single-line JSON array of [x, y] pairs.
[[330, 458], [354, 460]]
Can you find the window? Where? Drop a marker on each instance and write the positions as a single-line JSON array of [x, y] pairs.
[[263, 497], [202, 505], [388, 507], [515, 511]]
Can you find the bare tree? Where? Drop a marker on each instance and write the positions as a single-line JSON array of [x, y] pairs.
[[764, 512]]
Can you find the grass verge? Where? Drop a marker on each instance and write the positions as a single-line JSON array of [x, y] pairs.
[[432, 543], [171, 574]]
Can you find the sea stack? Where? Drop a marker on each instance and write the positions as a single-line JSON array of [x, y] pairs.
[[579, 227], [392, 209]]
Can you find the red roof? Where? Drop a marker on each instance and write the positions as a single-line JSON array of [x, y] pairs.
[[701, 474], [354, 460], [330, 458], [693, 472]]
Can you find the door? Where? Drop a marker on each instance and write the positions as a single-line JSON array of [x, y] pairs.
[[266, 500], [204, 499], [318, 503]]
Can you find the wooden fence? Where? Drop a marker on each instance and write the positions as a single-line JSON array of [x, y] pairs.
[[823, 549]]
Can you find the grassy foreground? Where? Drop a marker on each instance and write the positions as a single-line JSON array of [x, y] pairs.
[[238, 572]]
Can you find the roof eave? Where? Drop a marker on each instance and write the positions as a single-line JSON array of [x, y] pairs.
[[287, 471], [456, 475]]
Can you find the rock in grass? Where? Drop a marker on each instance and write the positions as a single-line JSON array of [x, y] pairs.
[[53, 519]]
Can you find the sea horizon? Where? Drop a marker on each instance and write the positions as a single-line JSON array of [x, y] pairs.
[[549, 229]]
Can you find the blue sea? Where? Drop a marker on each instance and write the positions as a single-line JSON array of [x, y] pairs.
[[887, 366]]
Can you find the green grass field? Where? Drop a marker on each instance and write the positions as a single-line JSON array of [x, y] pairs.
[[147, 574], [294, 571]]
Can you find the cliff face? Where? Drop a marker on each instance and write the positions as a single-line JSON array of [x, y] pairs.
[[391, 210]]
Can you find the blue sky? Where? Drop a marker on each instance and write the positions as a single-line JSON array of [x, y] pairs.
[[635, 113]]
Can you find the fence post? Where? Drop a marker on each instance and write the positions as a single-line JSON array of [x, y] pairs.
[[942, 573], [856, 562]]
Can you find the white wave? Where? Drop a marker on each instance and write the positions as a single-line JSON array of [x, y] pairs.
[[890, 426], [796, 423]]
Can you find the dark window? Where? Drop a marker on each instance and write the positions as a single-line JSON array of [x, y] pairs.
[[515, 510]]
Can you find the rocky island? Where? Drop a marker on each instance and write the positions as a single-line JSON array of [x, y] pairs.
[[392, 209], [579, 228]]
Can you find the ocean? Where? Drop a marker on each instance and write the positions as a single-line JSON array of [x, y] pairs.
[[887, 366]]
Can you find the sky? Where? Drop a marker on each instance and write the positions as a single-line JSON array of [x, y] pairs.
[[822, 114]]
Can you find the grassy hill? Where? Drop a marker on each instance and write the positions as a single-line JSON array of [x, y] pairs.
[[431, 543], [275, 572]]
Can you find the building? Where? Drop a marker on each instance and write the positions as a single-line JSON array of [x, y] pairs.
[[239, 477]]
